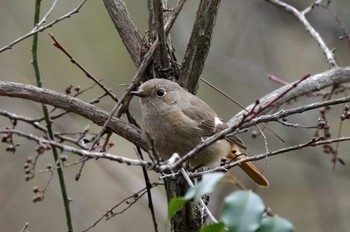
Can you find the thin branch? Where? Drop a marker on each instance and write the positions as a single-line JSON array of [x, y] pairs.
[[110, 213], [87, 73], [190, 183], [42, 28], [148, 190], [35, 123], [279, 96], [333, 77], [284, 113], [312, 143], [311, 7], [295, 125], [48, 120], [80, 152], [312, 32], [25, 227], [222, 92], [43, 20], [147, 180]]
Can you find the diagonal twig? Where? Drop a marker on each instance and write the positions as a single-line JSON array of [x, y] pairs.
[[42, 28], [309, 28]]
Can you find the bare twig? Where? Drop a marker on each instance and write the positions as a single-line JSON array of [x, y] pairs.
[[278, 97], [316, 82], [311, 7], [312, 143], [37, 125], [189, 182], [80, 152], [295, 125], [223, 93], [284, 113], [312, 32], [43, 20], [88, 74], [129, 201], [42, 28], [25, 227], [48, 121]]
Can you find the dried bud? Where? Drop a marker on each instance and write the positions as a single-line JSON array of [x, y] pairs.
[[27, 177], [63, 158], [35, 189], [37, 198], [29, 160], [40, 149], [254, 134], [68, 90]]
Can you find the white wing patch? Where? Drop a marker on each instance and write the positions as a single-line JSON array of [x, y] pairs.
[[218, 121]]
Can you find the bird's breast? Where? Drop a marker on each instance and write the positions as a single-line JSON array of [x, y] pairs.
[[173, 132]]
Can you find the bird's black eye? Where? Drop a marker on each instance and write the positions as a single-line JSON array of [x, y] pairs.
[[160, 92]]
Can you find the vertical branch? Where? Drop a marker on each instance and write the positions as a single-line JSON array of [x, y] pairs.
[[48, 120], [126, 28], [157, 32], [198, 47], [163, 57]]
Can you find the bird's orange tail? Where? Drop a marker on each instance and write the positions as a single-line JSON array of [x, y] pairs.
[[248, 167]]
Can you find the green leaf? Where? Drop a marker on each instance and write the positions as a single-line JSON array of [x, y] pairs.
[[242, 211], [275, 224], [218, 227], [205, 186], [174, 205]]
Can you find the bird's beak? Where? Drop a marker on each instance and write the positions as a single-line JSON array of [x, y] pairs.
[[138, 93]]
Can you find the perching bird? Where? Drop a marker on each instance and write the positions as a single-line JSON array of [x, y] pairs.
[[175, 121]]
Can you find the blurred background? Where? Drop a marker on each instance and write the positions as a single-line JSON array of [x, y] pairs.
[[251, 40]]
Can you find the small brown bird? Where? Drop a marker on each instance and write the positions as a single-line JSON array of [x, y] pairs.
[[175, 121]]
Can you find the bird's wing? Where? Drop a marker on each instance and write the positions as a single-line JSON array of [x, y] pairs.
[[201, 113], [207, 120]]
